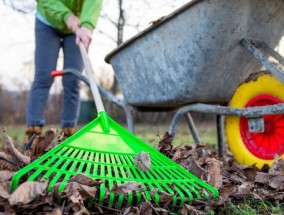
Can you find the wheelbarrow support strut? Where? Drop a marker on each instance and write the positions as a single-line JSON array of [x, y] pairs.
[[259, 50]]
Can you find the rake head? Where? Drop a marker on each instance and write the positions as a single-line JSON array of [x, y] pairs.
[[110, 156]]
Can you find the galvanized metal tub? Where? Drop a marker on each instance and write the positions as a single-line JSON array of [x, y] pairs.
[[194, 54]]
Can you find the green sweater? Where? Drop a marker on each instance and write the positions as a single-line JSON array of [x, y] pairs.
[[56, 12]]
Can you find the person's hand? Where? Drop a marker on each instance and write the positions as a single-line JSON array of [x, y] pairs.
[[84, 35], [72, 23]]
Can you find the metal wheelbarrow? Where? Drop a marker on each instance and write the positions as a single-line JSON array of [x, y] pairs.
[[208, 56]]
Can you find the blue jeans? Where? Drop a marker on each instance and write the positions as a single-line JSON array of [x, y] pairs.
[[48, 42]]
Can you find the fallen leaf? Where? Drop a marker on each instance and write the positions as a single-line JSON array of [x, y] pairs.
[[225, 192], [56, 211], [77, 192], [262, 178], [160, 211], [21, 159], [27, 192], [146, 208], [277, 167], [6, 175], [41, 142], [9, 210], [131, 211], [126, 188], [7, 162], [189, 210], [213, 171], [250, 172], [244, 189], [82, 210], [5, 190], [165, 198], [165, 144], [142, 161], [195, 168], [86, 180], [277, 182]]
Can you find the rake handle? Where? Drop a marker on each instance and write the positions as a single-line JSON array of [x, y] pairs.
[[93, 85]]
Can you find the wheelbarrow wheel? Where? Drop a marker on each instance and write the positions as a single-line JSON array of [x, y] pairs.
[[252, 147]]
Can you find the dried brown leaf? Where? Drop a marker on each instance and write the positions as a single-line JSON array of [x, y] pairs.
[[277, 182], [195, 168], [250, 172], [190, 210], [7, 162], [77, 192], [131, 211], [82, 210], [180, 157], [146, 208], [42, 202], [86, 180], [165, 198], [161, 211], [27, 192], [213, 171], [225, 192], [244, 189], [237, 170], [9, 210], [41, 142], [261, 193], [165, 144], [262, 177], [236, 178], [126, 188], [56, 211], [6, 175], [5, 190], [21, 159], [277, 167], [142, 161]]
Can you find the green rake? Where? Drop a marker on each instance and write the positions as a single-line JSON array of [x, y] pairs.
[[105, 150]]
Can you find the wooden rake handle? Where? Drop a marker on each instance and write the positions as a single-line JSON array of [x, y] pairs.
[[93, 85]]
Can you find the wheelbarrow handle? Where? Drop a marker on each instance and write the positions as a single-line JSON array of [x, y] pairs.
[[93, 85], [56, 73]]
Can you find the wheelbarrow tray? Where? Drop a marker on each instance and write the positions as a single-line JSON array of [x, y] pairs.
[[194, 54]]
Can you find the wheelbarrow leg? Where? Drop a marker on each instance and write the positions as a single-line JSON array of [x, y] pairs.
[[129, 112], [220, 134], [194, 132], [177, 117], [192, 128]]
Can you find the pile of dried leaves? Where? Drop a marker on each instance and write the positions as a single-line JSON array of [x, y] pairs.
[[233, 181]]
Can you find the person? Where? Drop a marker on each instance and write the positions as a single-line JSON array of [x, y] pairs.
[[59, 24]]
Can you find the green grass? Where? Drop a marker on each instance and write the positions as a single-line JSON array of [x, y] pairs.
[[16, 132], [151, 134], [252, 206]]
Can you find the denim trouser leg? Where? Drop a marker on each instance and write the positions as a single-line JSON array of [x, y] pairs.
[[46, 53], [48, 43], [71, 102]]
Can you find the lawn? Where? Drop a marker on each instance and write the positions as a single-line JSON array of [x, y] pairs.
[[149, 133]]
